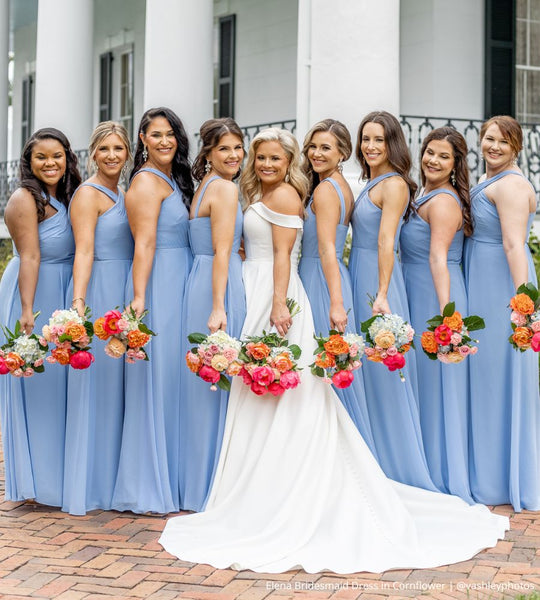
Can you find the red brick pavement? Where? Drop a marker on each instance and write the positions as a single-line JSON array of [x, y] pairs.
[[47, 554]]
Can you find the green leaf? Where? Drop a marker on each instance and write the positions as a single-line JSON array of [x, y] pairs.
[[296, 351], [430, 355], [473, 323], [319, 371], [365, 325], [449, 309], [196, 338], [224, 383], [144, 329], [39, 369], [434, 322], [17, 328]]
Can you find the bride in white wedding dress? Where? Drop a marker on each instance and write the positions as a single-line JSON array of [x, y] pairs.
[[296, 486]]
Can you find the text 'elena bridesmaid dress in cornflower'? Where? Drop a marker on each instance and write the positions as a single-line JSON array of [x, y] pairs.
[[392, 406], [314, 281], [202, 411], [148, 470], [95, 403], [442, 389], [33, 410], [504, 399]]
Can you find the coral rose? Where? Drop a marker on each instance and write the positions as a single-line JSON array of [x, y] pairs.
[[208, 374], [98, 329], [336, 345], [257, 351], [455, 322], [110, 323], [81, 359], [397, 361], [535, 342], [522, 337], [75, 331], [4, 369], [385, 339], [263, 375], [61, 355], [429, 343], [137, 338], [342, 379], [115, 348], [276, 389], [193, 361], [326, 362], [521, 303], [442, 335], [282, 362], [13, 361]]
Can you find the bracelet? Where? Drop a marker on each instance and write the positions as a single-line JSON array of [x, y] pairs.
[[75, 300]]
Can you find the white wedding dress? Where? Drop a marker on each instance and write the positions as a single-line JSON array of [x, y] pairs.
[[296, 486]]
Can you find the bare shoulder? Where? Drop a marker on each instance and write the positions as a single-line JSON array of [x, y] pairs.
[[149, 184], [225, 189], [285, 200], [86, 194], [21, 204], [394, 185]]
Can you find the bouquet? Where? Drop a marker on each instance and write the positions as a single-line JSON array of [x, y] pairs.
[[71, 334], [525, 318], [22, 355], [388, 339], [125, 332], [215, 357], [447, 337], [269, 364], [337, 356]]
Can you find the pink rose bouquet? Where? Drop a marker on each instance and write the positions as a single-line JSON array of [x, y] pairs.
[[125, 333], [269, 364], [388, 338], [71, 335], [525, 318], [337, 356], [22, 355], [214, 358], [447, 336]]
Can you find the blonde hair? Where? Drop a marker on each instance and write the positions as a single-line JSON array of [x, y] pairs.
[[251, 187], [104, 129]]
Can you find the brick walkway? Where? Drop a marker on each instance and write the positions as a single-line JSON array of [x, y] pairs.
[[45, 553]]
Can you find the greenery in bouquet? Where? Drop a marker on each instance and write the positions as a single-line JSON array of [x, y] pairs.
[[71, 335], [22, 355], [525, 318], [337, 356]]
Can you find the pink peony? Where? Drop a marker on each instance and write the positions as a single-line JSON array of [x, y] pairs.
[[81, 359], [3, 367], [245, 376], [290, 379], [276, 389], [263, 375], [535, 342], [230, 354], [518, 319], [110, 324], [258, 389], [456, 338], [209, 374], [442, 334], [394, 362], [342, 379]]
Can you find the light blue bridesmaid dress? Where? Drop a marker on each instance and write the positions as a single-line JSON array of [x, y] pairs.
[[314, 281], [33, 410], [202, 411], [95, 401], [392, 406], [442, 389], [148, 470], [504, 399]]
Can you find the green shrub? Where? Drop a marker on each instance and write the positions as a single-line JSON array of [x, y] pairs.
[[5, 254]]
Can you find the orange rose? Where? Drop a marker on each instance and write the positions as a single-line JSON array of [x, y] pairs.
[[258, 351], [405, 348], [137, 338], [326, 362], [98, 329], [521, 303], [428, 342], [385, 339], [336, 345], [75, 331], [234, 368], [282, 362], [61, 355], [13, 361], [193, 362], [455, 322], [375, 357], [522, 337]]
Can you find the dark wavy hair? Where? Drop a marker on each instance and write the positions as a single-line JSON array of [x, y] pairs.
[[343, 142], [68, 183], [461, 169], [181, 169], [399, 156], [211, 132]]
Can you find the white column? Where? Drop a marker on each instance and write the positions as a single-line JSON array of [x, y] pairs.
[[64, 68], [4, 51], [348, 61], [178, 63]]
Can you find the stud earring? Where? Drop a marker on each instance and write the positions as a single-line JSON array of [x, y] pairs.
[[207, 167], [453, 177], [145, 154]]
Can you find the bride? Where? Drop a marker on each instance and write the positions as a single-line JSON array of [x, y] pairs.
[[296, 486]]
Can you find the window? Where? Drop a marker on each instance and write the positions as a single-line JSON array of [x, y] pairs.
[[528, 61], [126, 91], [27, 116], [226, 64], [105, 86]]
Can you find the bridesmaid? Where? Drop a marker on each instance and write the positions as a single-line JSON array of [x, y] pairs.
[[374, 267], [325, 277], [157, 204], [504, 400], [103, 253], [214, 300], [33, 411], [431, 249]]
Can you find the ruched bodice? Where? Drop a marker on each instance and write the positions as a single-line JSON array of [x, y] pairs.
[[415, 236], [258, 220], [310, 244]]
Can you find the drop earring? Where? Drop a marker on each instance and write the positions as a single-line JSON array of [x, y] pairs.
[[340, 166], [145, 154], [207, 167], [453, 177], [287, 177]]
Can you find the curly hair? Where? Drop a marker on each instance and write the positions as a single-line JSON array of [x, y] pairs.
[[211, 133], [181, 169], [69, 182], [104, 129], [343, 142], [250, 185], [461, 169]]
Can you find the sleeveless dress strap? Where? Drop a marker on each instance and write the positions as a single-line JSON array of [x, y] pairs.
[[423, 199], [159, 173], [101, 188], [341, 198], [372, 183], [56, 204], [213, 178], [482, 185], [290, 221]]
